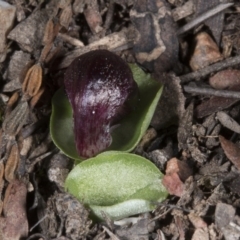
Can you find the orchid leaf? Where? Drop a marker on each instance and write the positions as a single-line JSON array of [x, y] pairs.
[[61, 125], [130, 130], [120, 184], [122, 210]]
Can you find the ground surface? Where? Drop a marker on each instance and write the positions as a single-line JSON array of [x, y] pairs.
[[194, 134]]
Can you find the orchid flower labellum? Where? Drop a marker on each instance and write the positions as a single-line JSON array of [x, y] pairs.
[[99, 86]]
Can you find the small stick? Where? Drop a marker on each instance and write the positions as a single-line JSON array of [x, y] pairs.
[[109, 16], [36, 224], [38, 236], [38, 159], [197, 75], [212, 92], [74, 41], [201, 18]]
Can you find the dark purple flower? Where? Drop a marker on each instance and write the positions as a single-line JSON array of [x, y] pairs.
[[99, 85]]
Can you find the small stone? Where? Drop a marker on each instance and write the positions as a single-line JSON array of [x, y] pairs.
[[173, 184], [179, 167], [206, 52], [224, 214]]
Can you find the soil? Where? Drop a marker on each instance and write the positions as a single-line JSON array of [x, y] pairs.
[[191, 47]]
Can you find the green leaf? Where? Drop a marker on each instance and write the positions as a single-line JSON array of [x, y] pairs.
[[130, 130], [110, 180], [61, 125], [124, 209]]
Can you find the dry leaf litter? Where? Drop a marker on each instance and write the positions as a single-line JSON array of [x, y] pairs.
[[192, 47]]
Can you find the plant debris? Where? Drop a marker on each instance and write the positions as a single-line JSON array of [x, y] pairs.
[[192, 47]]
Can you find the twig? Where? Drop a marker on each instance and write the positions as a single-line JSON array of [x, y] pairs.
[[111, 235], [38, 159], [161, 215], [38, 236], [36, 195], [212, 92], [197, 75], [29, 130], [201, 18], [36, 224], [110, 42], [75, 42], [171, 207]]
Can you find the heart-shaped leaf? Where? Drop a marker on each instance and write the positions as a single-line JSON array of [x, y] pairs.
[[121, 184], [129, 131]]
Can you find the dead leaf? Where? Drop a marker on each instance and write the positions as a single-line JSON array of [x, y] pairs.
[[33, 80], [214, 23], [66, 16], [35, 99], [14, 224], [93, 17], [28, 32], [213, 105], [48, 33], [201, 234], [231, 150], [228, 122], [7, 13], [12, 163], [181, 168], [197, 221], [173, 184], [13, 123], [13, 99], [181, 224], [51, 31], [19, 60], [226, 79], [1, 184]]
